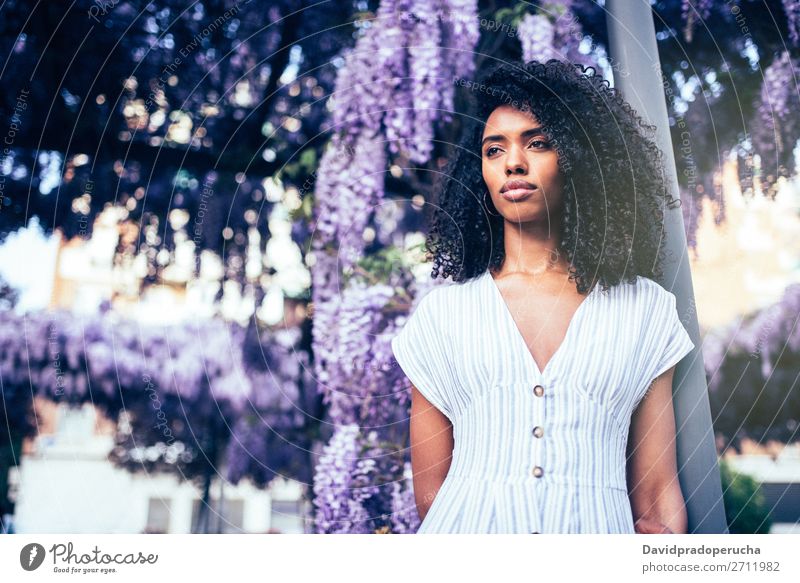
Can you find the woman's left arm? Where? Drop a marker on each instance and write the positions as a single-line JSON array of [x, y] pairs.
[[652, 471]]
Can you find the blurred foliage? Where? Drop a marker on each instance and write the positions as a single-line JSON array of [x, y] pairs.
[[745, 506], [752, 366]]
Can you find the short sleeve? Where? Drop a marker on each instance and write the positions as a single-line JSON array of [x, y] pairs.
[[676, 342], [418, 349]]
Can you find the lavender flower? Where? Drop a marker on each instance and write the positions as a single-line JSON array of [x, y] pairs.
[[356, 365], [777, 128], [388, 99], [792, 9], [337, 509], [350, 184], [537, 35], [554, 33]]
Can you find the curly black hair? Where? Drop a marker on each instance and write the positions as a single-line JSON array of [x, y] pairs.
[[612, 220]]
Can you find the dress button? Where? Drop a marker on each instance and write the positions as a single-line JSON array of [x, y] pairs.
[[538, 471], [538, 431], [538, 390]]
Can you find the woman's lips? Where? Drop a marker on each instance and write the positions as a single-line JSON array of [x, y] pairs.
[[517, 194]]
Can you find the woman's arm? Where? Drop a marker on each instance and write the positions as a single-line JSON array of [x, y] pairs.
[[431, 450], [654, 490]]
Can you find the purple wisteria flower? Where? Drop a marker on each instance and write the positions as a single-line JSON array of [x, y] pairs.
[[792, 9], [777, 128], [536, 35]]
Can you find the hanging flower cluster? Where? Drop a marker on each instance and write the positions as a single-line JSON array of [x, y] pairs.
[[553, 32], [357, 354], [273, 436], [792, 9], [350, 184], [777, 128], [395, 86], [361, 486], [339, 505], [164, 385], [398, 79]]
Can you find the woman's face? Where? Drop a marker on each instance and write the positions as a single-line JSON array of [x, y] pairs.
[[513, 148]]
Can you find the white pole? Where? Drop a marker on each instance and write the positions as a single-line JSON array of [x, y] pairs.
[[633, 49]]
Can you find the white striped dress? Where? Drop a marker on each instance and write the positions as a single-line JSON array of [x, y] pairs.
[[537, 451]]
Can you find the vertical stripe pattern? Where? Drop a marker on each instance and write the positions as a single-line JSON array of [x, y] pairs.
[[462, 350]]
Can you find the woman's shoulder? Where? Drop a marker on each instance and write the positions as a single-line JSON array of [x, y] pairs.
[[444, 300], [642, 295], [651, 285], [652, 295], [442, 291]]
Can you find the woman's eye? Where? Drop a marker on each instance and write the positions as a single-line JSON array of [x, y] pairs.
[[541, 145]]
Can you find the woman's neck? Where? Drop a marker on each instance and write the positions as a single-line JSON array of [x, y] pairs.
[[532, 248]]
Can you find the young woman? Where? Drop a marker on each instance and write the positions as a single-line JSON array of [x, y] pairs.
[[542, 372]]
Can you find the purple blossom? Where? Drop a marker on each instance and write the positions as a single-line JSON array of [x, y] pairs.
[[792, 9], [389, 98], [777, 128], [399, 76], [555, 34], [337, 508], [537, 36], [180, 386], [360, 381], [428, 74], [362, 485], [350, 185], [405, 516]]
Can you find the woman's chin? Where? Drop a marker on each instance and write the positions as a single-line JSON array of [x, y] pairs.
[[521, 214]]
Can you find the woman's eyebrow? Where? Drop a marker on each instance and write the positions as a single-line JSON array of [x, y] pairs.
[[525, 134]]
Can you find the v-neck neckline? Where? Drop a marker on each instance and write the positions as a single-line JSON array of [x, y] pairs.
[[521, 338]]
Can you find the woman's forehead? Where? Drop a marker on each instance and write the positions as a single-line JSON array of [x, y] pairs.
[[510, 121]]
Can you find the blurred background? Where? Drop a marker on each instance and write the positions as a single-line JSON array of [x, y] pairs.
[[211, 218]]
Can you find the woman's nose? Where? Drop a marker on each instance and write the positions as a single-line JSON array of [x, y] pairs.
[[516, 162]]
